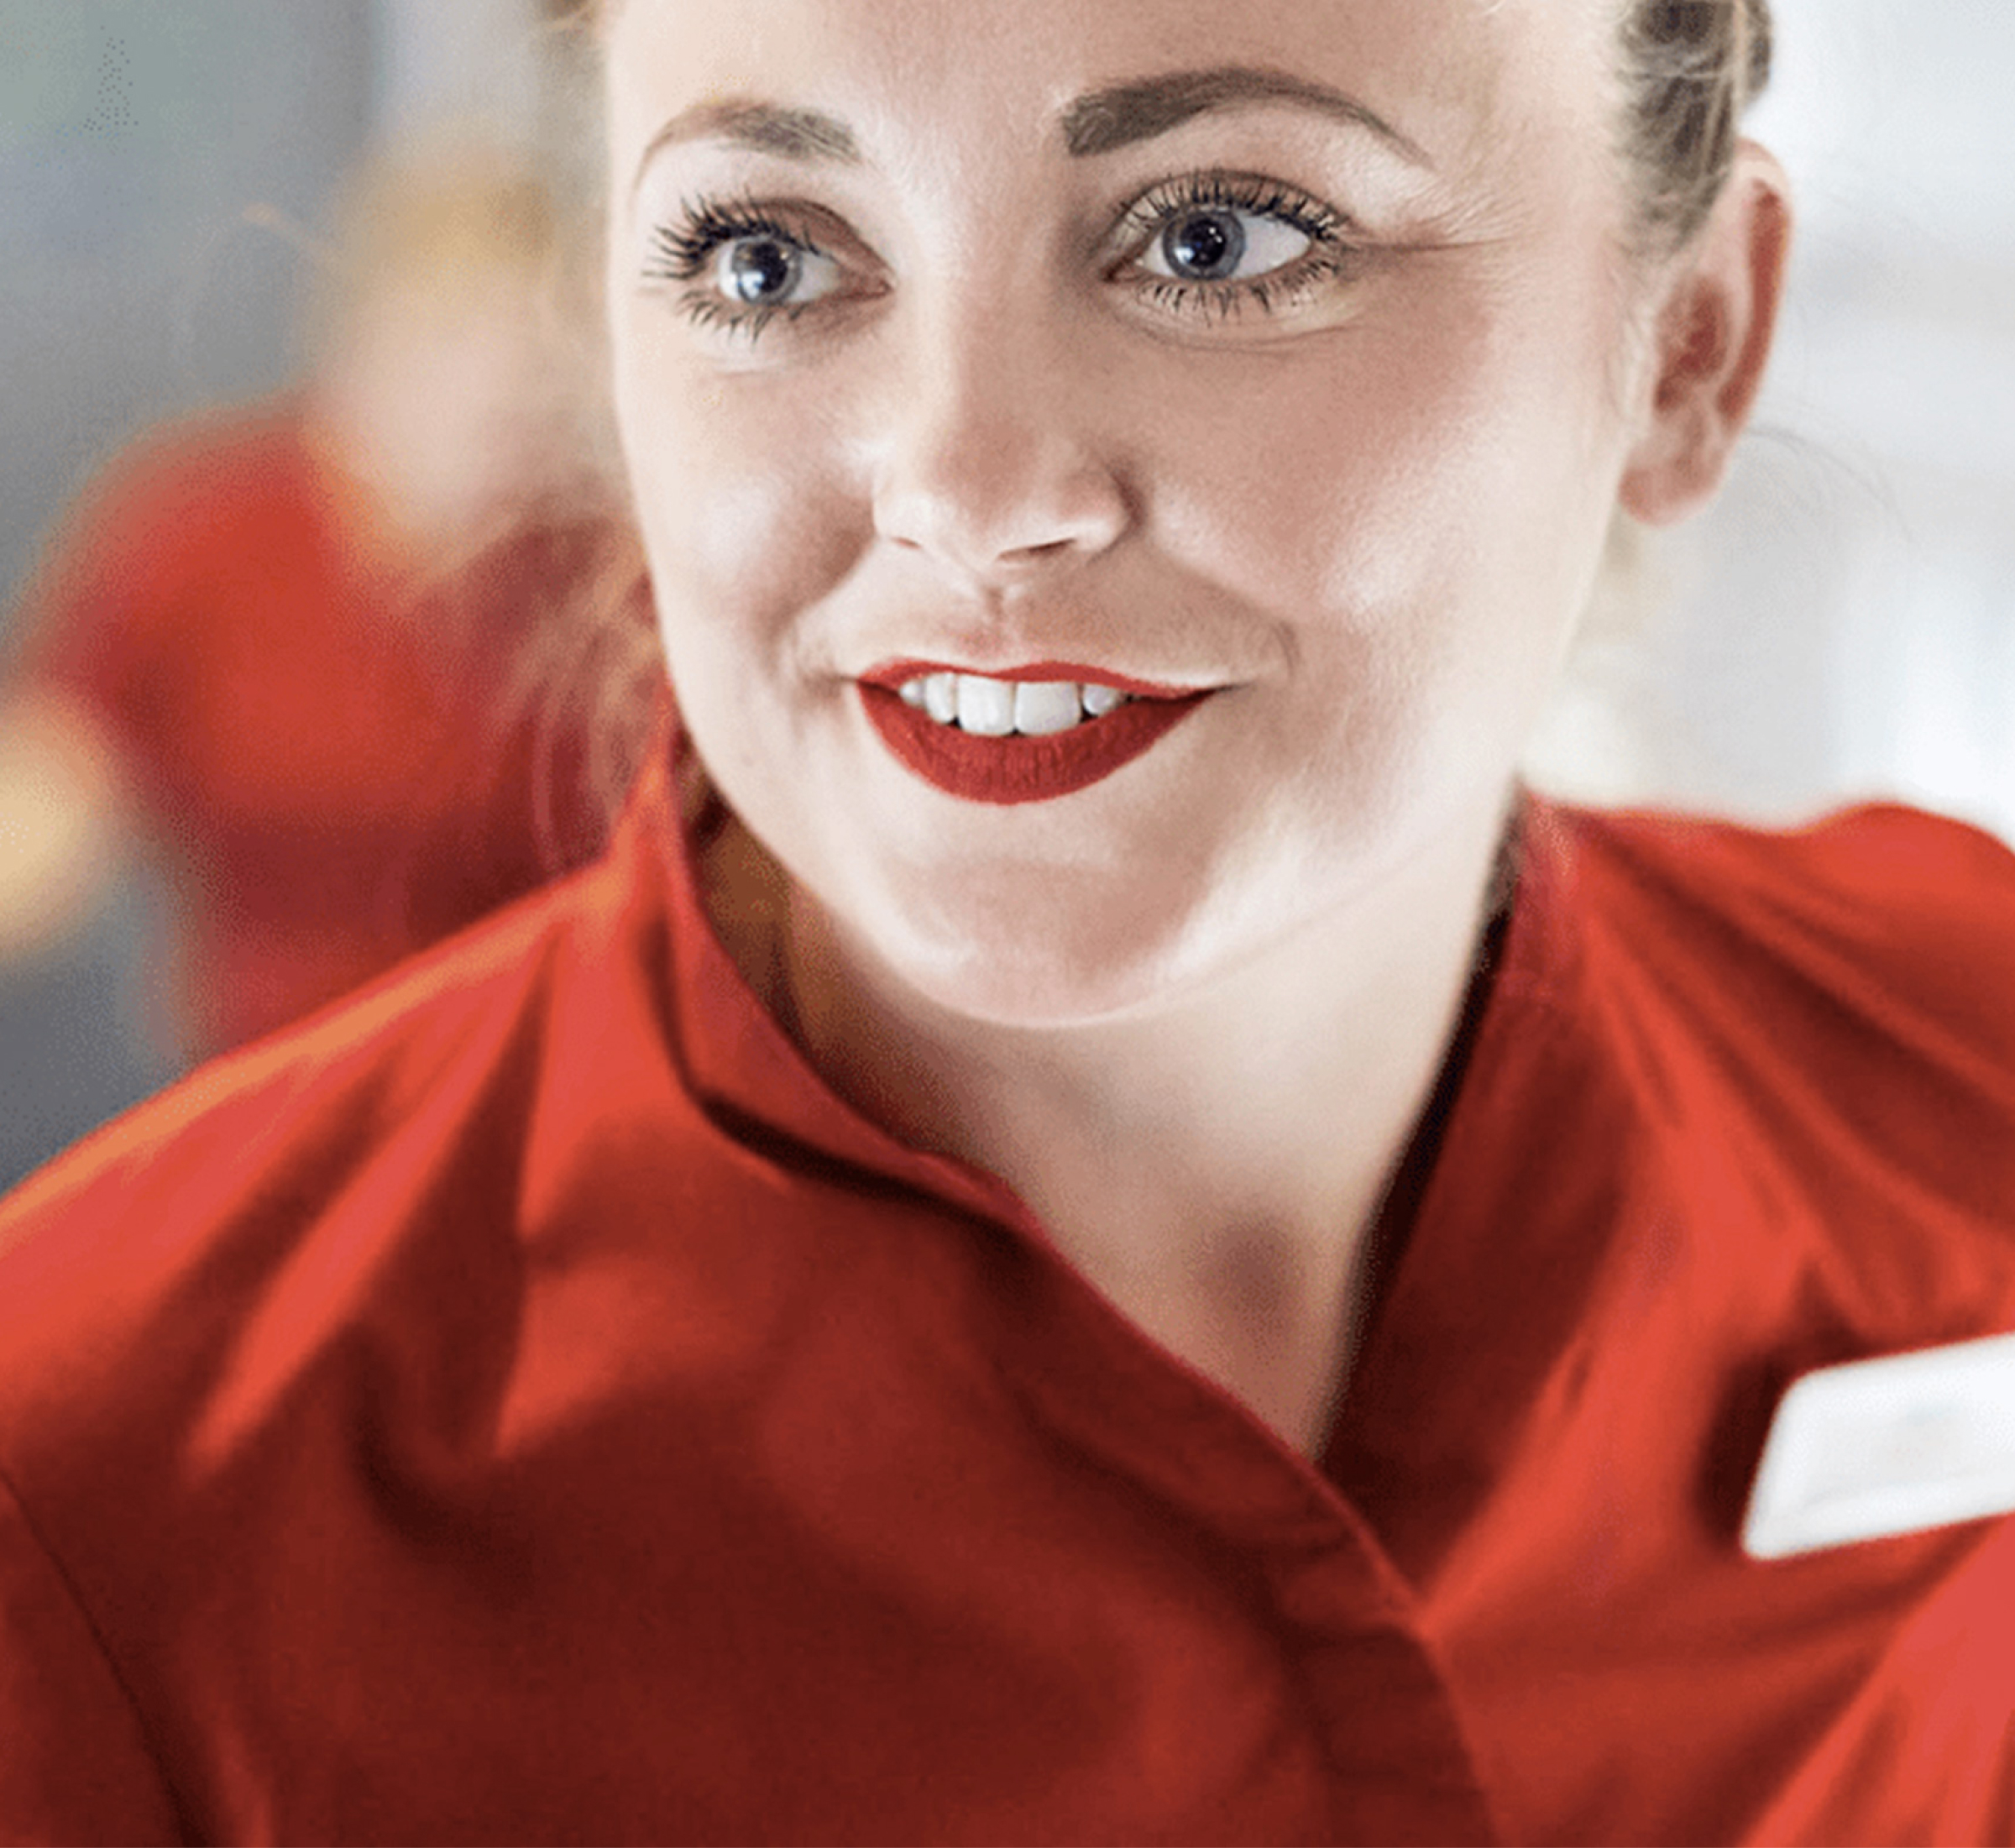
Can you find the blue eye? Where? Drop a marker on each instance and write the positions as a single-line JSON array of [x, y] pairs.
[[1217, 245], [1206, 246], [768, 271], [742, 264], [1224, 244]]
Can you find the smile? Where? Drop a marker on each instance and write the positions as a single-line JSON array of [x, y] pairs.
[[999, 709], [1031, 735]]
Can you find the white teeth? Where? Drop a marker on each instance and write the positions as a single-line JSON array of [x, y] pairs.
[[1042, 707], [985, 707], [996, 709]]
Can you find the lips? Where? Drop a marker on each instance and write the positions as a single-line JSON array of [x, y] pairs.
[[1015, 768]]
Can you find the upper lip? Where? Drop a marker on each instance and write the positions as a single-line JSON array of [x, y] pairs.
[[895, 674]]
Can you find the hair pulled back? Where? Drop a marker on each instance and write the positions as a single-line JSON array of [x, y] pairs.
[[1690, 68]]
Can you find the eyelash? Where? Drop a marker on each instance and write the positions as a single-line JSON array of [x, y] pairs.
[[1149, 216], [680, 251]]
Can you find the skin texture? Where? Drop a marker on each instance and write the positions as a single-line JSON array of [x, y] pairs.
[[1191, 1011]]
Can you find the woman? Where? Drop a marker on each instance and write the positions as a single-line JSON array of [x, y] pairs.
[[277, 646], [1089, 1231]]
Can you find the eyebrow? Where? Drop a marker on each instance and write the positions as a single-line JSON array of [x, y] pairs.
[[761, 127], [1103, 120], [1097, 123]]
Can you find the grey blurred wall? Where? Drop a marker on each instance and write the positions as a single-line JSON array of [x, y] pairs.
[[135, 136]]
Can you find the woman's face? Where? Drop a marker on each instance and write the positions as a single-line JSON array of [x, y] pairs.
[[1264, 361]]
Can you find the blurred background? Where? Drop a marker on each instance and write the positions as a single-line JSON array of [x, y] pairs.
[[1838, 626], [173, 180], [1842, 623]]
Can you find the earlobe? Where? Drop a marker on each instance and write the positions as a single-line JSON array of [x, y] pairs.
[[1713, 336]]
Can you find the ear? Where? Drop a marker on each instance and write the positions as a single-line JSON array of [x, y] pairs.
[[1712, 337]]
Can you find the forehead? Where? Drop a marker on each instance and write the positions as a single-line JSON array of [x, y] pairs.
[[903, 73]]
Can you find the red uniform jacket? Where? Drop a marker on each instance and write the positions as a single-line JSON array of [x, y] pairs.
[[525, 1405]]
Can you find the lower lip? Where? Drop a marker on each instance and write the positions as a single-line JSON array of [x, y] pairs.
[[1016, 769]]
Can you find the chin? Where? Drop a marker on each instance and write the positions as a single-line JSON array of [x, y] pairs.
[[1042, 995], [1066, 960]]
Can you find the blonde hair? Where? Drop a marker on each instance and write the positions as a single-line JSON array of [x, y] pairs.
[[1691, 68]]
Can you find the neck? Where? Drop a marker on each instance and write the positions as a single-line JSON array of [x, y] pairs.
[[1213, 1166]]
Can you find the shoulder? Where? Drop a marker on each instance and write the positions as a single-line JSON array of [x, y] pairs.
[[1826, 1012], [1876, 870], [346, 1077], [1879, 909], [304, 1179], [385, 1163]]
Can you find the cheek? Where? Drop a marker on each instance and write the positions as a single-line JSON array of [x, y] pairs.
[[740, 497], [1428, 479], [1414, 512], [1387, 460]]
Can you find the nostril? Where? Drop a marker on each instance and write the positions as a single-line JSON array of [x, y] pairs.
[[1050, 548]]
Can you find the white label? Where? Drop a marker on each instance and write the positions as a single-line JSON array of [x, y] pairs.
[[1888, 1446]]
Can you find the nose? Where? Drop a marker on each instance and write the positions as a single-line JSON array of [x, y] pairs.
[[989, 466]]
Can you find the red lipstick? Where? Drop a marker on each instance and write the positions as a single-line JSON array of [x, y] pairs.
[[1016, 769]]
